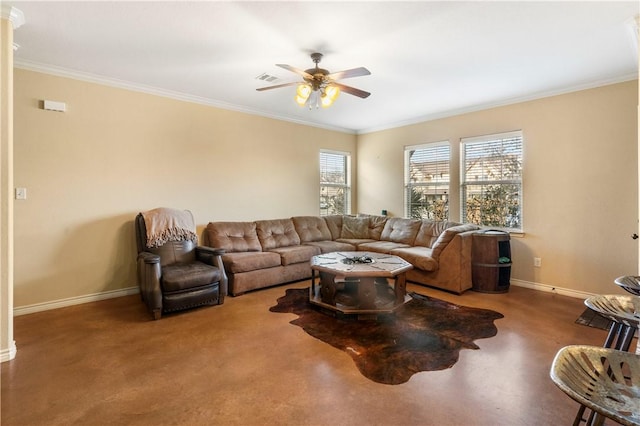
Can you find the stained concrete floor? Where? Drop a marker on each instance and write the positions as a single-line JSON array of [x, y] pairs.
[[107, 362]]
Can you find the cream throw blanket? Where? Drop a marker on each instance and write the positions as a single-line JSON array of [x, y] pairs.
[[164, 225]]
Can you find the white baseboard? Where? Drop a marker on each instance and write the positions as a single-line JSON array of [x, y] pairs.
[[551, 289], [8, 354], [61, 303], [78, 300]]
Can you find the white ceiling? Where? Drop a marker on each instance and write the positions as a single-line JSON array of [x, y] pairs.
[[427, 59]]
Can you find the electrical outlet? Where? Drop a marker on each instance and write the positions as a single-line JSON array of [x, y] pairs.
[[537, 262]]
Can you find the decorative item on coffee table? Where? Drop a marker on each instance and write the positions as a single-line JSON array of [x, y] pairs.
[[357, 283]]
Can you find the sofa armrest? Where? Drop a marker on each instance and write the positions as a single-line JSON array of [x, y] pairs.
[[454, 264], [448, 235], [149, 273], [213, 256], [148, 258], [205, 251]]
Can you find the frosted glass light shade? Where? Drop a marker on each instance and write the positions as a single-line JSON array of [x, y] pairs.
[[302, 94], [330, 94]]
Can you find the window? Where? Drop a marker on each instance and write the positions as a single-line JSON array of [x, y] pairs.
[[491, 176], [426, 170], [335, 185]]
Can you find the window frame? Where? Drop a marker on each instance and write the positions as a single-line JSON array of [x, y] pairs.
[[346, 186], [502, 183], [435, 184]]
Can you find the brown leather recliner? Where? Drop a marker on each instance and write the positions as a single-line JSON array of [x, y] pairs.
[[178, 274]]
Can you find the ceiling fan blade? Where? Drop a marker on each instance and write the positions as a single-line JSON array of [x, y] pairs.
[[296, 70], [277, 86], [355, 72], [352, 90]]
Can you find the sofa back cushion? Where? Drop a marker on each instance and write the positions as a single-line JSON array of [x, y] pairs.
[[334, 223], [355, 227], [277, 233], [311, 228], [233, 236], [376, 225], [401, 230], [175, 252], [430, 230]]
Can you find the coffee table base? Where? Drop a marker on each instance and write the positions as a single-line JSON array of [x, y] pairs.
[[364, 297]]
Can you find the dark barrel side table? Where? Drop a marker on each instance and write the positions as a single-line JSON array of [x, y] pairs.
[[491, 261]]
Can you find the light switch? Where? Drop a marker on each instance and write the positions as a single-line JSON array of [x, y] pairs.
[[21, 193]]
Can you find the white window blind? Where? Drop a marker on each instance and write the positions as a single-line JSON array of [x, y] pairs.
[[427, 181], [335, 189], [491, 179]]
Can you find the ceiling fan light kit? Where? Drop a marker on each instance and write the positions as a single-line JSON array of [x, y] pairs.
[[320, 87], [322, 97]]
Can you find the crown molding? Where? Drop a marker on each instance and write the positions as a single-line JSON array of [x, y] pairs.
[[505, 102], [122, 84], [12, 14]]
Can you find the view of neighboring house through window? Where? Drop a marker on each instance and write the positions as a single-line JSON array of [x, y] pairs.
[[427, 181], [491, 178], [335, 189]]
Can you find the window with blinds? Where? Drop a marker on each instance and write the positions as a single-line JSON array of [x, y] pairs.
[[491, 181], [335, 185], [426, 170]]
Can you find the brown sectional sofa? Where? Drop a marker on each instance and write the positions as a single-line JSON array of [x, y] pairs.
[[264, 253]]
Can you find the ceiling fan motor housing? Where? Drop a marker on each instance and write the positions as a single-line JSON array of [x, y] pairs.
[[319, 77], [319, 74]]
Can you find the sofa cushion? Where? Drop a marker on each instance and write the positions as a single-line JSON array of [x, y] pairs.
[[296, 254], [355, 241], [401, 230], [331, 246], [334, 223], [355, 227], [233, 236], [236, 263], [277, 233], [184, 276], [376, 225], [419, 257], [311, 228], [448, 235], [430, 230], [381, 246]]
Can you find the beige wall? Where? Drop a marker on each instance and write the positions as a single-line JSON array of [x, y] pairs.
[[580, 181], [116, 152]]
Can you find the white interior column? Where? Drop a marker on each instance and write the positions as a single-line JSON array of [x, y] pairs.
[[10, 19]]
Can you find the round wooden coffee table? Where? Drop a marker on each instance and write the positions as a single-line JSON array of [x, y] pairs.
[[357, 283]]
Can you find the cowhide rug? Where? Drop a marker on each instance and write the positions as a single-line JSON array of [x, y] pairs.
[[425, 334]]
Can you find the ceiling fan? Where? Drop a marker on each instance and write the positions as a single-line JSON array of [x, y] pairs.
[[321, 83]]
